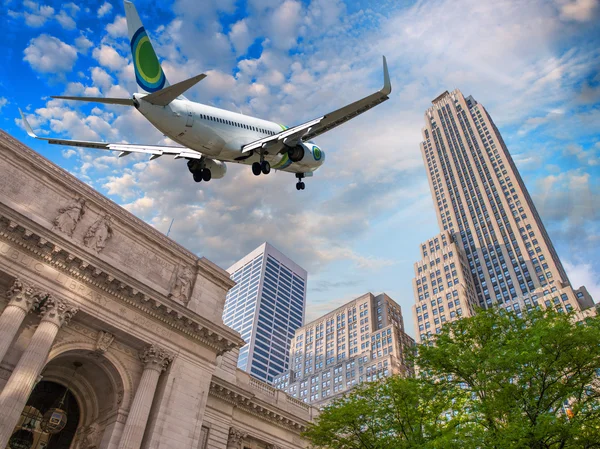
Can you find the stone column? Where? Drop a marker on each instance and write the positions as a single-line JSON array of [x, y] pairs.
[[22, 301], [156, 360], [55, 312], [235, 438]]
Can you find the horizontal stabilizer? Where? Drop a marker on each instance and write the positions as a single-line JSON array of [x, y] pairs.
[[121, 101], [164, 96]]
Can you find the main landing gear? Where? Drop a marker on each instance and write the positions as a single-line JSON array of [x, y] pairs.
[[199, 172], [300, 185], [261, 167]]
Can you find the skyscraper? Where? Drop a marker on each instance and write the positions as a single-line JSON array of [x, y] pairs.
[[361, 341], [266, 306], [493, 236]]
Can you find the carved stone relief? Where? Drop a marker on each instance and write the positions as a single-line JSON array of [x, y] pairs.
[[103, 341], [68, 216], [99, 233], [91, 439], [235, 438], [183, 283]]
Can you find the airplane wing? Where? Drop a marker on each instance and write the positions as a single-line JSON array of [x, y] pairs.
[[154, 151], [306, 131]]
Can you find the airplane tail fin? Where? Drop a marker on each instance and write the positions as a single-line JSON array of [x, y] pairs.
[[148, 72]]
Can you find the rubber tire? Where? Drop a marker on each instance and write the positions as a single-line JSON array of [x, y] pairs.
[[197, 176], [190, 165], [206, 174], [297, 186], [265, 168], [302, 185], [256, 169]]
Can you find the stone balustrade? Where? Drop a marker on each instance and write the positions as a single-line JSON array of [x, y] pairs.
[[265, 387], [297, 402]]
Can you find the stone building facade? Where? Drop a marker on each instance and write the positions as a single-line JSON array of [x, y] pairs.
[[121, 328]]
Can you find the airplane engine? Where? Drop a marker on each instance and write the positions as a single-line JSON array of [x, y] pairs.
[[305, 154], [296, 154], [217, 168]]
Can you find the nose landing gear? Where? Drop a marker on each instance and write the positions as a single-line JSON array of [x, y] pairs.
[[300, 184]]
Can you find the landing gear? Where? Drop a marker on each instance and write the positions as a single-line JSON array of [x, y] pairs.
[[261, 167], [300, 184], [203, 174], [265, 167], [199, 172]]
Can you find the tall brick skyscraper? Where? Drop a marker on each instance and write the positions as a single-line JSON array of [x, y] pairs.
[[494, 249]]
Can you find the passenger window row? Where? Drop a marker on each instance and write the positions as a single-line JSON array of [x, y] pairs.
[[239, 125]]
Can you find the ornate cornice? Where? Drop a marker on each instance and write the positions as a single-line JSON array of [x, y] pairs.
[[216, 272], [30, 238], [248, 402]]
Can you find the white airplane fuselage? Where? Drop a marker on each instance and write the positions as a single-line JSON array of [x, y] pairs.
[[220, 134]]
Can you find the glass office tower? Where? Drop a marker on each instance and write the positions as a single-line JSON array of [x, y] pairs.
[[266, 306], [494, 249]]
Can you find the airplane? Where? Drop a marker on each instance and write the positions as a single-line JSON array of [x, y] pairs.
[[208, 137]]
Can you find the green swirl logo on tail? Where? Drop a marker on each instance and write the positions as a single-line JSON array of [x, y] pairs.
[[148, 72]]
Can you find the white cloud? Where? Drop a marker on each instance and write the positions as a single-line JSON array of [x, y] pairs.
[[3, 102], [48, 54], [578, 10], [533, 123], [72, 8], [283, 30], [118, 27], [105, 9], [37, 16], [240, 36], [590, 157], [101, 78], [584, 274], [67, 154], [65, 20], [108, 57], [83, 44]]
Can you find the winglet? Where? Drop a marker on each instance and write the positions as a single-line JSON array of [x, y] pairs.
[[27, 125], [387, 86]]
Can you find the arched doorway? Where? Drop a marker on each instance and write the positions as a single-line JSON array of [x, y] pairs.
[[41, 423], [95, 393]]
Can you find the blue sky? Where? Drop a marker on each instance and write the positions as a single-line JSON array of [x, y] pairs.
[[534, 65]]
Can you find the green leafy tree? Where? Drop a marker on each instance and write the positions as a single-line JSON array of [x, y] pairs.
[[496, 380], [394, 413]]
